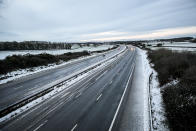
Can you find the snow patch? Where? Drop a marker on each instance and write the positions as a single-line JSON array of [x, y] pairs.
[[157, 109]]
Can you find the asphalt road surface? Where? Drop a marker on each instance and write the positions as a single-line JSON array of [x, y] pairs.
[[88, 105], [14, 91]]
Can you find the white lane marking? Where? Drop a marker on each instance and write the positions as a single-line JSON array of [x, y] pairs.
[[112, 124], [78, 95], [29, 112], [65, 94], [98, 77], [101, 75], [52, 109], [104, 72], [105, 85], [69, 98], [99, 97], [110, 82], [40, 125], [74, 127], [18, 87], [42, 110]]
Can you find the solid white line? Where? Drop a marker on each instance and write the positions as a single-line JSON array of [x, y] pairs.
[[74, 127], [99, 97], [112, 124], [40, 125]]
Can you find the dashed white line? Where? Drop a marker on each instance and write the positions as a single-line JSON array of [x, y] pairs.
[[105, 85], [99, 97], [40, 125], [74, 127], [18, 87]]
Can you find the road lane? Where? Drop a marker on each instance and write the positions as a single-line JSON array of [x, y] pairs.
[[16, 90], [81, 112]]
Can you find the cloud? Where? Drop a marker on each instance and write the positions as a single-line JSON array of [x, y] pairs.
[[72, 20], [1, 2], [151, 35]]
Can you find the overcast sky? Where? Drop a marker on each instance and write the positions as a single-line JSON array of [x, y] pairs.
[[96, 20]]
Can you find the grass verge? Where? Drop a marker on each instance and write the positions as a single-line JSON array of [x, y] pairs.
[[180, 97]]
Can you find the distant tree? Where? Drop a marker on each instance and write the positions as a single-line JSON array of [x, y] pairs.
[[159, 44]]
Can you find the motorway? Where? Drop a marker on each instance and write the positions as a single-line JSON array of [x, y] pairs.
[[92, 104], [14, 91]]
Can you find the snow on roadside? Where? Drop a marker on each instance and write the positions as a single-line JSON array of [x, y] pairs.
[[157, 109]]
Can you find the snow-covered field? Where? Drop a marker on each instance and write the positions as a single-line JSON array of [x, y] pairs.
[[155, 102], [175, 49], [175, 46], [183, 44], [4, 54]]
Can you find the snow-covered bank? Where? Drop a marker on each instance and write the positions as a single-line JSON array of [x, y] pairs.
[[156, 102], [4, 54]]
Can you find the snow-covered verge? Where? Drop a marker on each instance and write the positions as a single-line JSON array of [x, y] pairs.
[[4, 54], [157, 113], [57, 89]]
